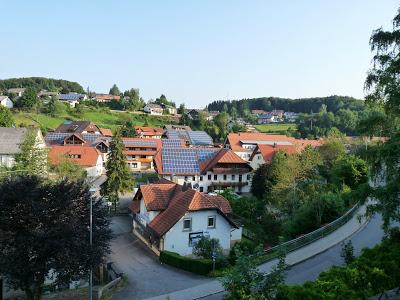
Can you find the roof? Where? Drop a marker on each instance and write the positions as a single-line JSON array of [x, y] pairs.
[[223, 156], [53, 138], [76, 126], [236, 140], [269, 151], [107, 97], [106, 132], [11, 139], [173, 201], [70, 97], [81, 155], [154, 105], [149, 131], [3, 97], [177, 127], [141, 143], [198, 138], [16, 90]]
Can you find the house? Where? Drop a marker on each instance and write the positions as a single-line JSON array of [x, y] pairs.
[[149, 132], [87, 157], [81, 127], [177, 127], [169, 109], [211, 115], [191, 137], [106, 97], [140, 153], [44, 94], [290, 117], [258, 112], [277, 113], [106, 132], [171, 217], [194, 114], [207, 169], [10, 142], [263, 154], [153, 109], [244, 143], [267, 118], [72, 98], [5, 101], [16, 91]]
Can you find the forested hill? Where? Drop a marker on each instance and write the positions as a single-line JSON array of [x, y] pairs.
[[41, 83], [306, 105]]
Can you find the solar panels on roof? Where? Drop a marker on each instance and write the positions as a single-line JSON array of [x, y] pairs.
[[60, 137], [199, 138], [140, 143], [172, 143], [206, 153], [180, 161]]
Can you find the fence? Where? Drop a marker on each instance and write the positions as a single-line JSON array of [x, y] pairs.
[[308, 238]]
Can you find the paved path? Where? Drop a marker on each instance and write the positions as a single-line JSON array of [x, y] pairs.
[[292, 259]]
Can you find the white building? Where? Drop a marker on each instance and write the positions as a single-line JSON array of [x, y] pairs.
[[16, 91], [10, 142], [171, 217], [206, 169], [153, 109], [5, 101]]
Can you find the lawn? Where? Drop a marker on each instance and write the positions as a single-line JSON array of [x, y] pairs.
[[275, 128], [102, 117]]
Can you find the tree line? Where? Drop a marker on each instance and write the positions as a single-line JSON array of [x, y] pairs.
[[41, 83]]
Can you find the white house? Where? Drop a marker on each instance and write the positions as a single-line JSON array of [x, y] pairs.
[[89, 158], [17, 91], [153, 109], [172, 217], [206, 169], [10, 142], [5, 101]]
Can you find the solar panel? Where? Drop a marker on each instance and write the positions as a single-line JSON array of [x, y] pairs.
[[140, 143], [199, 138], [206, 153], [180, 161], [172, 143]]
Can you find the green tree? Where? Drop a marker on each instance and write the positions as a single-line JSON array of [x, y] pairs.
[[128, 130], [29, 99], [181, 109], [6, 117], [115, 90], [350, 170], [134, 101], [47, 231], [206, 247], [32, 156], [67, 170], [119, 178]]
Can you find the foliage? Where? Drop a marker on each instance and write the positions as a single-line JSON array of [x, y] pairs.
[[67, 170], [245, 247], [199, 266], [6, 117], [41, 83], [114, 90], [29, 99], [207, 247], [119, 178], [350, 170], [164, 101], [128, 130], [347, 252], [31, 158], [34, 246], [132, 100]]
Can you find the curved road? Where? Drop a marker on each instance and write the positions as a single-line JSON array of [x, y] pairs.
[[308, 270]]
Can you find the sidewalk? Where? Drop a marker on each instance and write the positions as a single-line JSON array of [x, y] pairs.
[[292, 258]]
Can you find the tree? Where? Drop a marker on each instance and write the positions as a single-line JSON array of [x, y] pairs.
[[6, 117], [128, 130], [132, 100], [206, 248], [115, 90], [31, 158], [29, 99], [181, 109], [119, 179], [347, 252], [67, 170], [350, 170], [44, 233]]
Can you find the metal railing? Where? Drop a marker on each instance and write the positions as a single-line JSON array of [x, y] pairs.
[[308, 238]]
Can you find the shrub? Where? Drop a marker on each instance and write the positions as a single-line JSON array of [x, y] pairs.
[[205, 247], [199, 266], [246, 247]]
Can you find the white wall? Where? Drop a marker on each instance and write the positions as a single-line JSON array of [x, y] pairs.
[[257, 161], [96, 170], [7, 160], [7, 103], [177, 240]]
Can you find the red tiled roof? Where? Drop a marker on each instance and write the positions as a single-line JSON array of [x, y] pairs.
[[174, 201], [268, 151], [88, 155], [224, 156], [107, 97], [149, 131], [106, 132]]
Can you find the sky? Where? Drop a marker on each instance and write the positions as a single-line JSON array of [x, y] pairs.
[[195, 52]]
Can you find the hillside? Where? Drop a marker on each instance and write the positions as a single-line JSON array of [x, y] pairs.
[[305, 105], [41, 83], [102, 117]]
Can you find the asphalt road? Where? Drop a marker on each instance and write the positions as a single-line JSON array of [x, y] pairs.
[[146, 276]]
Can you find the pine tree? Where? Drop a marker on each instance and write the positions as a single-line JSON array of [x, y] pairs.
[[119, 179]]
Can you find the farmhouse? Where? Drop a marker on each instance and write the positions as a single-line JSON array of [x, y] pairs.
[[153, 109], [6, 102], [140, 153], [149, 132], [172, 217], [82, 127]]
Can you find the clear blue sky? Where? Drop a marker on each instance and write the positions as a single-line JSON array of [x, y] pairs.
[[195, 51]]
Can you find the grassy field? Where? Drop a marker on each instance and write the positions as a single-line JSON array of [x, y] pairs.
[[102, 117], [274, 128]]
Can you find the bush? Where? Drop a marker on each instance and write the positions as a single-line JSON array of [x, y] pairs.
[[205, 247], [199, 266], [246, 247]]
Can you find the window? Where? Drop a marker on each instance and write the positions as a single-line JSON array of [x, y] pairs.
[[187, 224], [233, 177], [186, 178], [209, 176], [248, 177], [201, 178], [134, 165], [201, 189], [211, 222], [224, 176], [215, 177], [194, 178]]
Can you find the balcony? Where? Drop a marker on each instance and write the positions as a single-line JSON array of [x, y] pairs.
[[228, 183]]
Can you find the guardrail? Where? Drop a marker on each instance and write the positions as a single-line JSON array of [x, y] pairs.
[[308, 238]]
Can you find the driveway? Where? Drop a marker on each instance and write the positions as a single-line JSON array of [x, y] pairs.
[[146, 276]]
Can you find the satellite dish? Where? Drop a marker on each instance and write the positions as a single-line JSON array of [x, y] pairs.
[[196, 186]]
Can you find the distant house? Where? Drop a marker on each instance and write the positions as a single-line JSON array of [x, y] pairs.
[[169, 109], [267, 118], [106, 132], [168, 216], [5, 101], [191, 137], [16, 91], [153, 109], [81, 127], [177, 127], [211, 115], [89, 158], [149, 132], [278, 113], [263, 154], [10, 142], [72, 98], [258, 112], [106, 97], [194, 114], [140, 153], [44, 93], [290, 117]]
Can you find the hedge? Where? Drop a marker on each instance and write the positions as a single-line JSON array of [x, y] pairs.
[[199, 266]]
